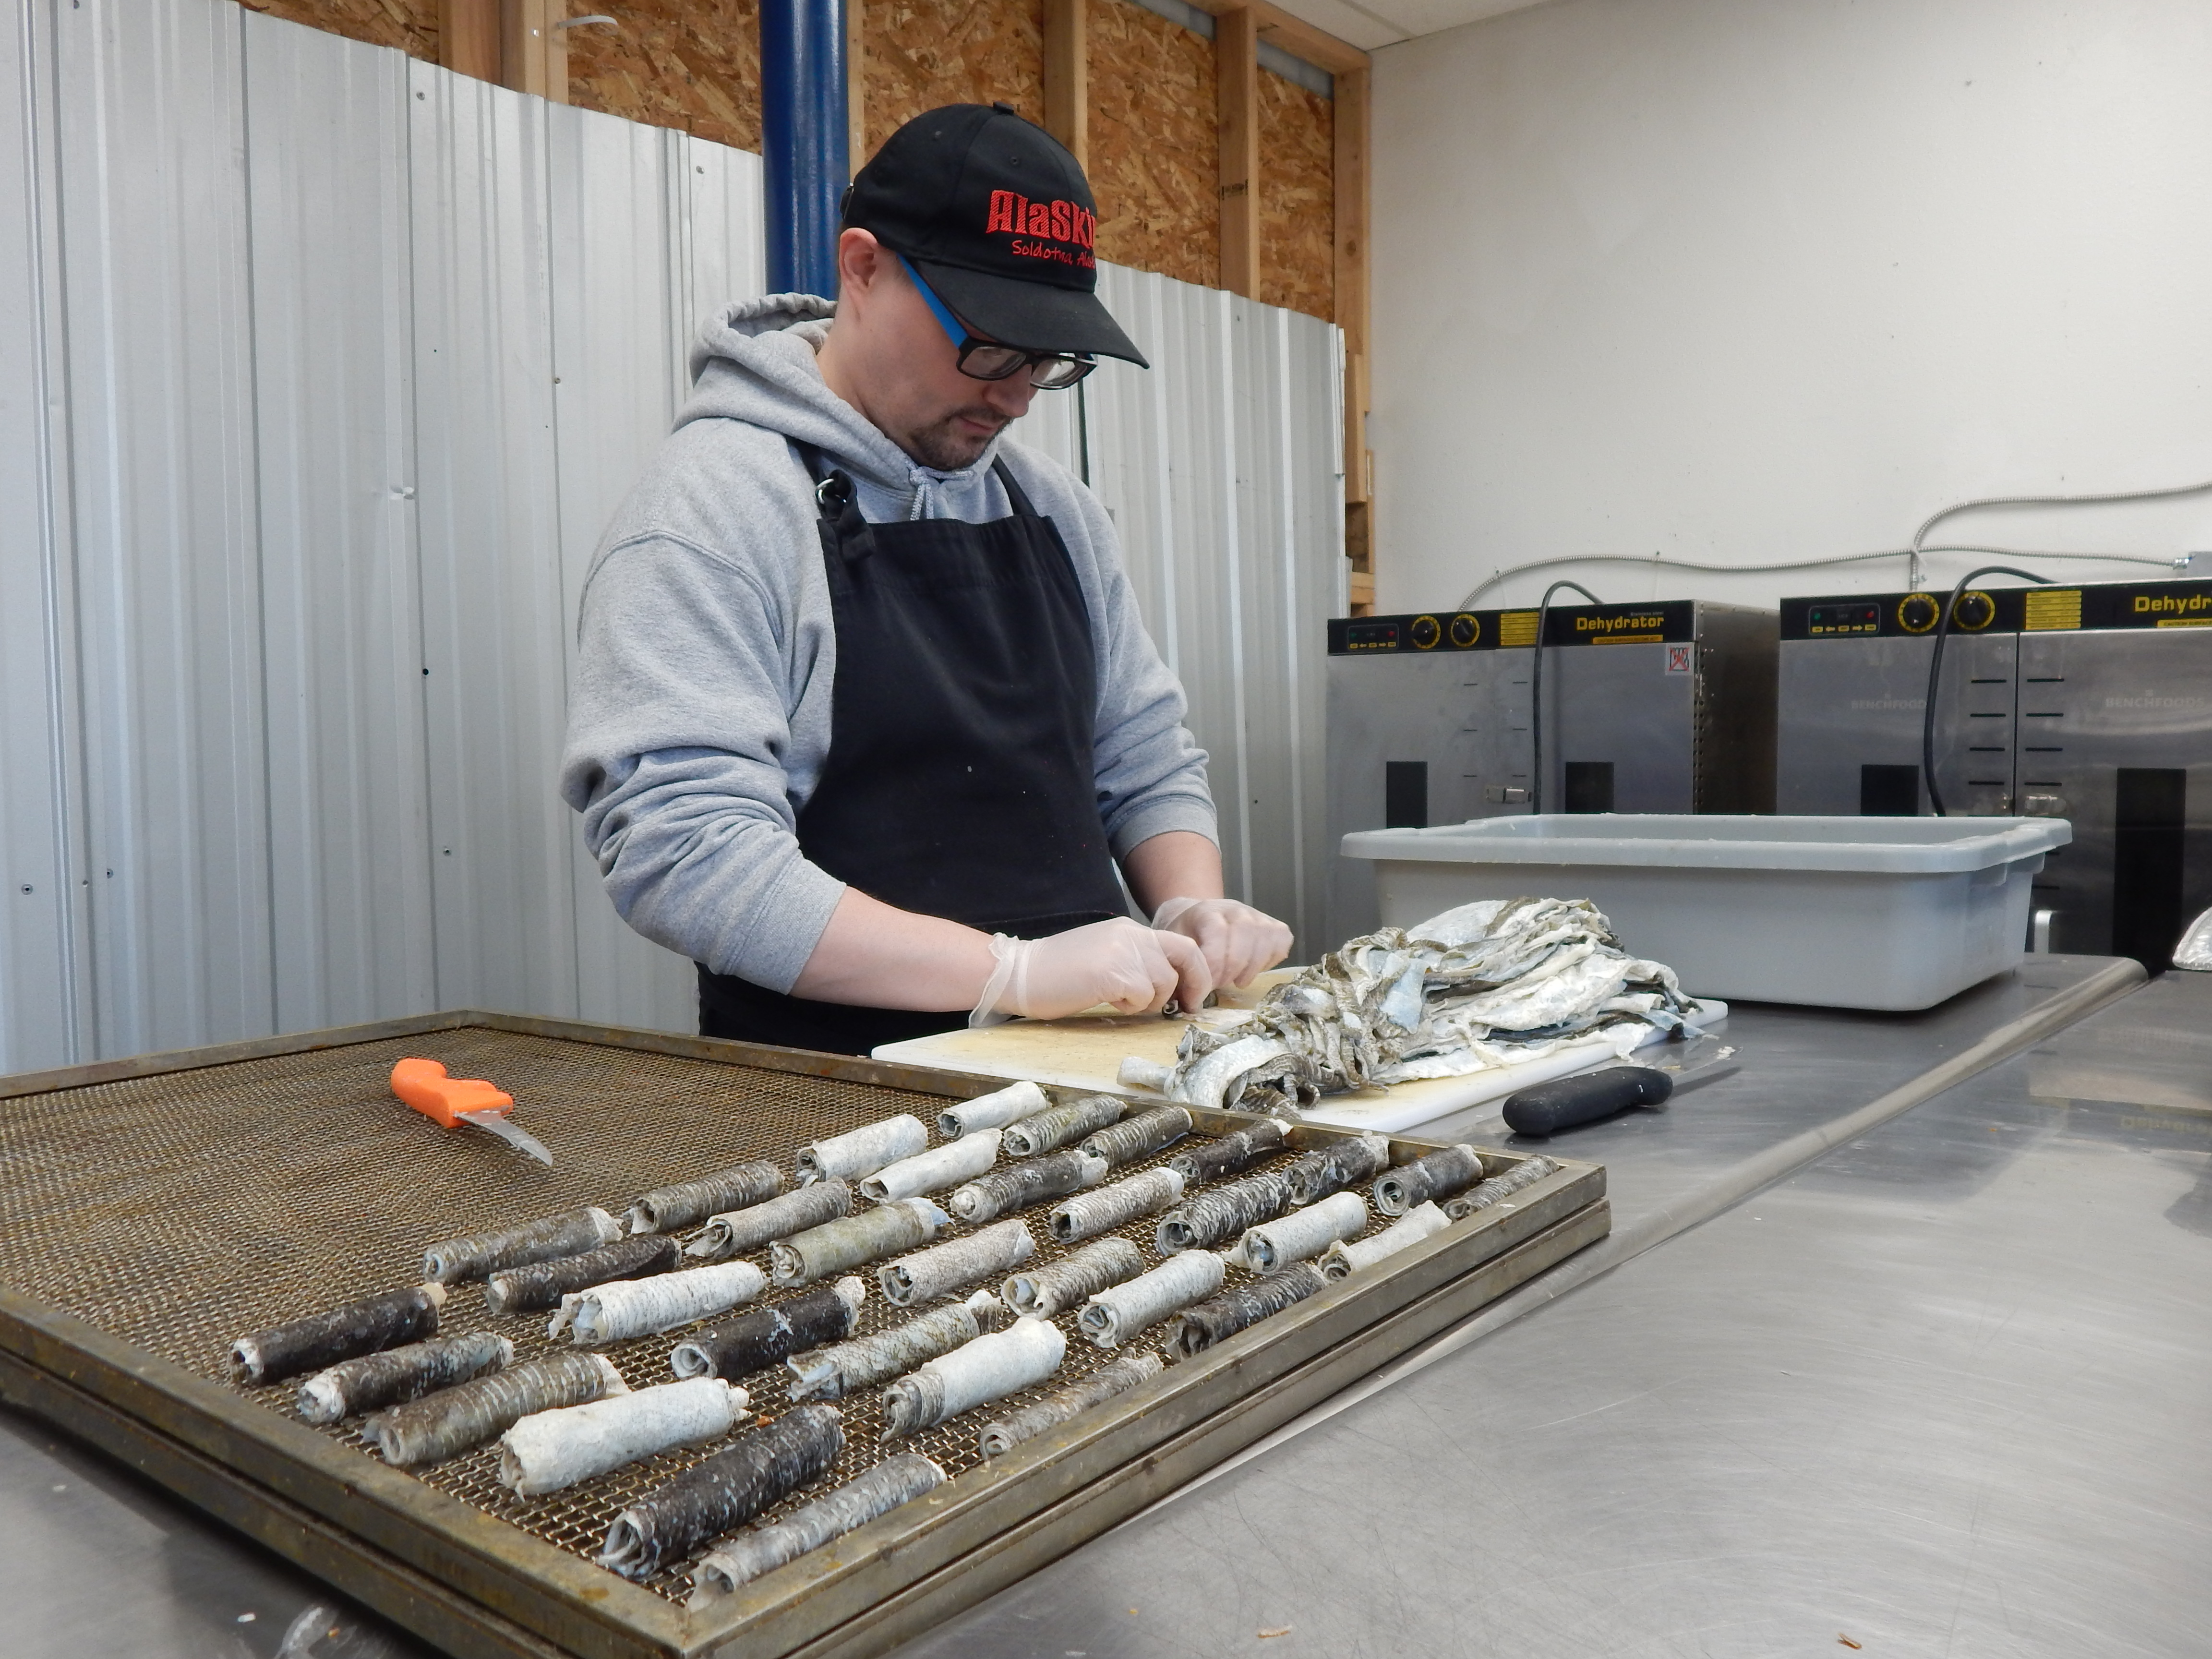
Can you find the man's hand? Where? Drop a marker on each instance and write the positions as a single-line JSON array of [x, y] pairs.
[[1122, 964], [1239, 941]]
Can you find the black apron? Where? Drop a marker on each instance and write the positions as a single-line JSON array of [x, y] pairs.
[[960, 780]]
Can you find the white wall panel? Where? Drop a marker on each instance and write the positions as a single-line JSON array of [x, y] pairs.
[[159, 358], [618, 328], [348, 809], [1218, 466], [722, 254], [488, 508], [1054, 426], [45, 1002], [1289, 554]]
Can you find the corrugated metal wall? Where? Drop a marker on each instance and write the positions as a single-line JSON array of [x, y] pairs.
[[1224, 479], [320, 372]]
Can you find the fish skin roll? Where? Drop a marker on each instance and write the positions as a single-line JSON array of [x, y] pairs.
[[1342, 1260], [1271, 1245], [764, 1337], [1336, 1166], [934, 1170], [1139, 1137], [989, 1368], [1015, 1186], [757, 1469], [552, 1450], [320, 1341], [864, 1150], [374, 1381], [1500, 1188], [992, 1111], [1220, 1317], [646, 1307], [479, 1256], [1060, 1126], [687, 1203], [1100, 1210], [845, 1367], [543, 1284], [1117, 1376], [1048, 1291], [1234, 1153], [836, 1246], [958, 1262], [735, 1232], [1120, 1311], [1205, 1219], [1438, 1176], [454, 1420], [728, 1567]]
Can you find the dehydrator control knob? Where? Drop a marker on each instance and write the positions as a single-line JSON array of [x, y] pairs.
[[1424, 632], [1917, 612], [1973, 612]]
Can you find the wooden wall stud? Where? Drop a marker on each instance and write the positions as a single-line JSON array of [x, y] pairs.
[[856, 87], [1239, 25], [468, 36], [1237, 106], [533, 55], [1351, 276], [1068, 77]]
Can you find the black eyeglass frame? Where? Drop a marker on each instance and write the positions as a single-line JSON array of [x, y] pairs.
[[968, 345], [1082, 365]]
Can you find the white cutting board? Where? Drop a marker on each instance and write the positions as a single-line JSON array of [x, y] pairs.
[[1085, 1051]]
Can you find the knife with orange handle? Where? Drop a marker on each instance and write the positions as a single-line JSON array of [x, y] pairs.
[[423, 1085]]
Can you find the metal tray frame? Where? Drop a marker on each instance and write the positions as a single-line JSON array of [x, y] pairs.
[[474, 1585]]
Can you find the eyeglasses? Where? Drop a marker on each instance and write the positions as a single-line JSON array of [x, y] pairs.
[[987, 360]]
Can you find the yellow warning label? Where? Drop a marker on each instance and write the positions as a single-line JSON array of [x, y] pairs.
[[1516, 627], [2184, 622], [2050, 609], [1629, 639]]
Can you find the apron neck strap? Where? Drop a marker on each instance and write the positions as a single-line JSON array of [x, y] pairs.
[[833, 494]]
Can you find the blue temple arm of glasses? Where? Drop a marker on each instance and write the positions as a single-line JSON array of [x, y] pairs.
[[952, 329]]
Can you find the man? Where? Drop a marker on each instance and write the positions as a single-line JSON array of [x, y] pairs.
[[866, 715]]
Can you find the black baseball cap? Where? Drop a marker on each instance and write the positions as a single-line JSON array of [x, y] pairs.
[[996, 215]]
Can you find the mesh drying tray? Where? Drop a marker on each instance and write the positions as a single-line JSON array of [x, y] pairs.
[[153, 1210]]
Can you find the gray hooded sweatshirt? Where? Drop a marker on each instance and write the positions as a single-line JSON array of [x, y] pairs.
[[699, 719]]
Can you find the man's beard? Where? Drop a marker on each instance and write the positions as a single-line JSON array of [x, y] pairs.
[[944, 448]]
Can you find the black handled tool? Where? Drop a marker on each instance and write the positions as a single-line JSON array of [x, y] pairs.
[[1548, 1108]]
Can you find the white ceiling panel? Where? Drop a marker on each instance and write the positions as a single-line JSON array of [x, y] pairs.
[[1371, 24]]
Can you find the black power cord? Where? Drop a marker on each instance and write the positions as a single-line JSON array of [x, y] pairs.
[[1935, 672], [1536, 690]]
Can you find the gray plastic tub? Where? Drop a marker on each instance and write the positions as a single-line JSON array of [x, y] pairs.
[[1834, 912]]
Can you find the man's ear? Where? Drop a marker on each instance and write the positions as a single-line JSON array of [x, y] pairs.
[[861, 263]]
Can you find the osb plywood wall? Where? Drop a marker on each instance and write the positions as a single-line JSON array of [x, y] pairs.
[[919, 54], [693, 64], [1297, 206], [1155, 164], [410, 25]]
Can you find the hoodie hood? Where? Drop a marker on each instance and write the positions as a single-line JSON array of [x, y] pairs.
[[755, 362]]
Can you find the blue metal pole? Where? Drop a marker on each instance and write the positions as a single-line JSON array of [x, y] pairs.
[[802, 47]]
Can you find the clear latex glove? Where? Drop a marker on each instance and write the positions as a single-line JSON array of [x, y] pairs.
[[1240, 943], [1122, 964]]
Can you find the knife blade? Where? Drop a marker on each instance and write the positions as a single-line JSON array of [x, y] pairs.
[[513, 1133], [451, 1100]]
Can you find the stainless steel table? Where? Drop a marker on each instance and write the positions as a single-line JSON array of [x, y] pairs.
[[1772, 1419]]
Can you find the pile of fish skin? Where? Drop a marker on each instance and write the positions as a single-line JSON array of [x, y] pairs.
[[1491, 984]]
